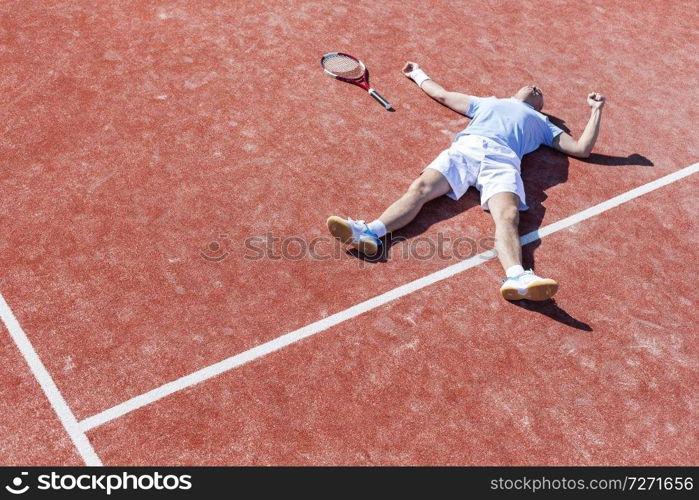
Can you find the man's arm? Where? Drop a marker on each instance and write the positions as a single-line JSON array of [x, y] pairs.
[[583, 147], [453, 100]]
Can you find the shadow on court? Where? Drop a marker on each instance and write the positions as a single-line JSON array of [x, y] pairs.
[[551, 309], [634, 160], [541, 170]]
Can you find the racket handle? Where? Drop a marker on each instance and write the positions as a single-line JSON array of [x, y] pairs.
[[381, 100]]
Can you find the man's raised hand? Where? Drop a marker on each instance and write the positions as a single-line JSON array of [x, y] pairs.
[[596, 100]]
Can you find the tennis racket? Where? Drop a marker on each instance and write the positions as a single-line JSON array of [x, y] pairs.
[[347, 68]]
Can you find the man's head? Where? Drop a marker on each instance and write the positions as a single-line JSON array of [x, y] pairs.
[[531, 94]]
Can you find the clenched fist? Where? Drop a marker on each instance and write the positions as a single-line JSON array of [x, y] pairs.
[[595, 100], [410, 67]]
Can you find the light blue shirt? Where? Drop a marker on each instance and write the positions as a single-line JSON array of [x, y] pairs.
[[510, 122]]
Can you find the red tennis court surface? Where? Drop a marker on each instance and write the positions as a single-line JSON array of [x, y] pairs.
[[144, 145]]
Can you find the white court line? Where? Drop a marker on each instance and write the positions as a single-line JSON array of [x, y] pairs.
[[54, 396], [325, 323]]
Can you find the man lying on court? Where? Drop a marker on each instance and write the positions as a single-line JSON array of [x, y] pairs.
[[487, 155]]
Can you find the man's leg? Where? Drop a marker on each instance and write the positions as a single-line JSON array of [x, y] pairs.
[[520, 284], [365, 237], [503, 208], [430, 185]]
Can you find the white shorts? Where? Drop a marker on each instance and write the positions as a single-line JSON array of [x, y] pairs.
[[483, 163]]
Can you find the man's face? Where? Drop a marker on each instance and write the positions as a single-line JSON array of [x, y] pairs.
[[531, 94]]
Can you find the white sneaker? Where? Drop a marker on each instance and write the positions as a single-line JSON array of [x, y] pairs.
[[355, 233], [528, 286]]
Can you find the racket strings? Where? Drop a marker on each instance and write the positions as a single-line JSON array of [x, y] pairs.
[[343, 66]]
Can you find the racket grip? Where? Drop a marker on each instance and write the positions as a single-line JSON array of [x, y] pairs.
[[381, 100]]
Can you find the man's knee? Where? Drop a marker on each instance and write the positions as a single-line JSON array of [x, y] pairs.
[[421, 188], [508, 214]]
